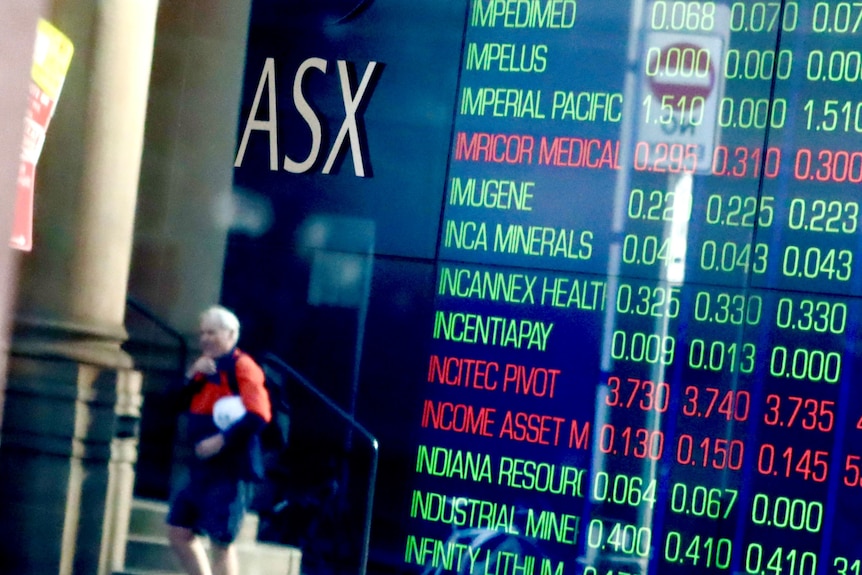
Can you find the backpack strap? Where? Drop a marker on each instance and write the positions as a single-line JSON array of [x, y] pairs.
[[252, 468], [232, 383]]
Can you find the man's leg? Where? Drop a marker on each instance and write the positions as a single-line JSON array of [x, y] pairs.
[[225, 560], [189, 550]]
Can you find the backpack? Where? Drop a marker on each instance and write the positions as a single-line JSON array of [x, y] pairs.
[[273, 437]]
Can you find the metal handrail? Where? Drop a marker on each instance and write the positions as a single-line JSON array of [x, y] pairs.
[[270, 358], [149, 314]]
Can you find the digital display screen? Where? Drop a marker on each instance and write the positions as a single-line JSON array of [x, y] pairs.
[[637, 353]]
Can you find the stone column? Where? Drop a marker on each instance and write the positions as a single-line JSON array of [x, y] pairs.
[[73, 397], [187, 174]]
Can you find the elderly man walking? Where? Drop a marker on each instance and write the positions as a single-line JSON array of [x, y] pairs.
[[228, 405]]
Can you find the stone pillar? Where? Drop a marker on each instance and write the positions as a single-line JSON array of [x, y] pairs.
[[73, 397], [187, 174]]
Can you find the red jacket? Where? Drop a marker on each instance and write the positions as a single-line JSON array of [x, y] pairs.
[[250, 380]]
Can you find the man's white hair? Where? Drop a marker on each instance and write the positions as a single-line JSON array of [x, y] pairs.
[[224, 318]]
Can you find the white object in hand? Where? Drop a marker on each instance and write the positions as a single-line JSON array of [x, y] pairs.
[[227, 411]]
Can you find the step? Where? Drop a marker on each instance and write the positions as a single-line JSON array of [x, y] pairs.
[[148, 551], [148, 519], [152, 555]]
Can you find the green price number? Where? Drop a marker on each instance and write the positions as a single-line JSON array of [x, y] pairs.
[[697, 550], [780, 561]]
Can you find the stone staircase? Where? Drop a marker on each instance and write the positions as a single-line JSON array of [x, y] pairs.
[[148, 551]]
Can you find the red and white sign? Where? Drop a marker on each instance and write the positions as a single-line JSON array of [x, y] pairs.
[[51, 58], [684, 72]]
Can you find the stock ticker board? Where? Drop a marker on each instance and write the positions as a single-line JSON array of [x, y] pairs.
[[644, 223]]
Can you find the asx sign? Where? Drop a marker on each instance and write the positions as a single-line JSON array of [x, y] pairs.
[[348, 133]]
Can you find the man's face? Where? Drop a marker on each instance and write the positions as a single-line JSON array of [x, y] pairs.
[[215, 339]]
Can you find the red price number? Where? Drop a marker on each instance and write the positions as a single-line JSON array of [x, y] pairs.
[[663, 157], [742, 162], [809, 464], [638, 393], [714, 453], [792, 411], [828, 166], [853, 471], [731, 404], [637, 442]]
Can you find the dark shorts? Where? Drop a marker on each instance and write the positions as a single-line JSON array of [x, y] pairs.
[[214, 508]]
